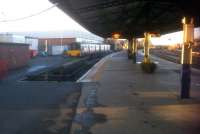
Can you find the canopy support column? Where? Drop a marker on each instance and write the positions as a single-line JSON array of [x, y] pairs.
[[186, 56]]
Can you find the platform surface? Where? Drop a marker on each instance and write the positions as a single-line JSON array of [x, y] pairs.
[[118, 98]]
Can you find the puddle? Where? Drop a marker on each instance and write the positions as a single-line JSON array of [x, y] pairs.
[[89, 118]]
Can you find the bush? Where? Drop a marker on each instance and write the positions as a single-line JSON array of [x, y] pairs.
[[148, 67]]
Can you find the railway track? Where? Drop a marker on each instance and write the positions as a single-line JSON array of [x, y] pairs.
[[174, 56]]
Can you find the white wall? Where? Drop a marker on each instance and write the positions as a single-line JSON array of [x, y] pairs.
[[33, 43], [58, 50]]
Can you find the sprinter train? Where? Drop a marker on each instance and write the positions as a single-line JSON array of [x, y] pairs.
[[80, 49]]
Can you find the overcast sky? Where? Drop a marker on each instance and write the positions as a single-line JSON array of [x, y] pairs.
[[53, 19]]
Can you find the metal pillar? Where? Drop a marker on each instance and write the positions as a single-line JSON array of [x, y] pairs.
[[147, 37], [130, 49], [134, 54], [186, 56]]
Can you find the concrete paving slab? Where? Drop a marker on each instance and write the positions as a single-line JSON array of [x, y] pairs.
[[128, 101]]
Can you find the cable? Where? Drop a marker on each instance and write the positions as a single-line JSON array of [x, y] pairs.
[[29, 16]]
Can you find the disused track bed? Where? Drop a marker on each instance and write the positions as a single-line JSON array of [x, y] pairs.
[[69, 72]]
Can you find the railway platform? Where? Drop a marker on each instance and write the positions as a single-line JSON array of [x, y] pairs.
[[118, 98]]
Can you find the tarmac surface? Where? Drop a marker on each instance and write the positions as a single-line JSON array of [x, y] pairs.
[[118, 98], [37, 107]]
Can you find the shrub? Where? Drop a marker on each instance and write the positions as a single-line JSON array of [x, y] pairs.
[[148, 67]]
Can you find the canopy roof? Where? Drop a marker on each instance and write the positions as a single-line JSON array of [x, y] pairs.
[[129, 17]]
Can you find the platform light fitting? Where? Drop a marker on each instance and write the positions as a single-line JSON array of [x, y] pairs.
[[116, 35]]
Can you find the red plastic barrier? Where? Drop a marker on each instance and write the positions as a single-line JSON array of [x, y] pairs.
[[3, 69]]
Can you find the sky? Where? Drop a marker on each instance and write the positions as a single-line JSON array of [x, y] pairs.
[[174, 38], [52, 19]]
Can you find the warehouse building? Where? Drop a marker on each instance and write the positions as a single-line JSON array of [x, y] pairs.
[[56, 42], [54, 46]]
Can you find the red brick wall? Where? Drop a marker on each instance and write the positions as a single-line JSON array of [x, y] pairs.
[[16, 55]]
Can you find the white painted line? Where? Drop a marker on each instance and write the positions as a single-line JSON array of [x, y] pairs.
[[95, 68]]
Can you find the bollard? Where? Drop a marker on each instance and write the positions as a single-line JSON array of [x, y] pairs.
[[186, 56]]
